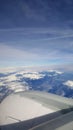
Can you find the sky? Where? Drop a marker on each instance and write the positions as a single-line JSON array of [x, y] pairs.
[[36, 32]]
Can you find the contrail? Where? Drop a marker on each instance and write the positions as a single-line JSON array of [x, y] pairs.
[[55, 38], [41, 39]]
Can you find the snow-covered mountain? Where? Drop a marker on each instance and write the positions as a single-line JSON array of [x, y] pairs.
[[53, 81]]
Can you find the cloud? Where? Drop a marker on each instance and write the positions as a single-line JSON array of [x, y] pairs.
[[40, 31], [38, 41], [36, 54], [7, 52], [38, 34], [42, 46], [58, 37]]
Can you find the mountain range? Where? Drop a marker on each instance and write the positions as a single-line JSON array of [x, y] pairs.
[[52, 81]]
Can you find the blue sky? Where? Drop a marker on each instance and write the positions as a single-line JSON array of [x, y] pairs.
[[36, 32]]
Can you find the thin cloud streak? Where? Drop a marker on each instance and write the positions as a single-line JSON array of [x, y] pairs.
[[37, 35], [54, 38]]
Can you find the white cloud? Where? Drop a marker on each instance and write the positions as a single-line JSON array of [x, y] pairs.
[[69, 83], [7, 52], [10, 56]]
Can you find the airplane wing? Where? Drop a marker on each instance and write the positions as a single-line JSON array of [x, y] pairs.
[[34, 110]]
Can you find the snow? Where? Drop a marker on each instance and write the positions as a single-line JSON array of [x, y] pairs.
[[56, 71], [69, 83], [15, 108], [33, 75], [12, 83], [26, 74], [1, 83], [11, 78]]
